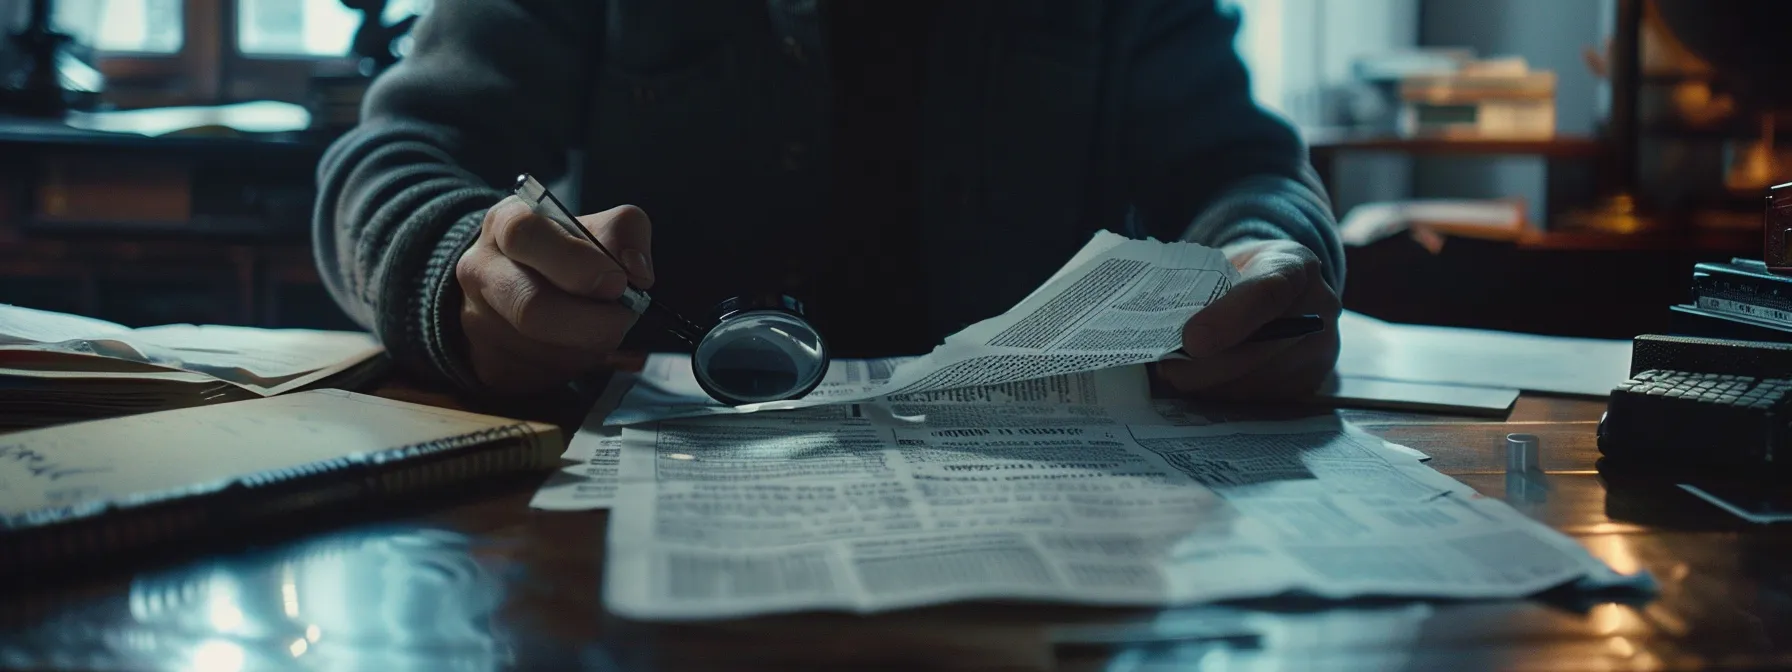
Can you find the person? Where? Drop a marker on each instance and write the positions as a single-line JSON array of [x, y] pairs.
[[906, 168]]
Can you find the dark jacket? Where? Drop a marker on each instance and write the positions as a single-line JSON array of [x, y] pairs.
[[1043, 121]]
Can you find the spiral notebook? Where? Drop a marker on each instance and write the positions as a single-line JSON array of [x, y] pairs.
[[107, 486]]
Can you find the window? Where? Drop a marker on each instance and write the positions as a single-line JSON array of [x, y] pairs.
[[123, 26], [306, 28], [196, 52]]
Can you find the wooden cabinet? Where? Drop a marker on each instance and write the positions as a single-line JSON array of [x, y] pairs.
[[147, 231]]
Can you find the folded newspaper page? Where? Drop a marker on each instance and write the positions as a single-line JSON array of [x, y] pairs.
[[1117, 302], [741, 516]]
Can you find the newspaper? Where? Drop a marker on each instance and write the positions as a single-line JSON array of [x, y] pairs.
[[1070, 353], [1023, 459], [1107, 397], [1116, 303], [740, 516]]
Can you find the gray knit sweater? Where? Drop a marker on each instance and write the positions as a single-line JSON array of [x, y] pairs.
[[1043, 121]]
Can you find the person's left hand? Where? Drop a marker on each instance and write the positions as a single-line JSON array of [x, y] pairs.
[[1280, 278]]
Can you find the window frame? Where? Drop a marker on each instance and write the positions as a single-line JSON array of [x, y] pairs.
[[210, 68]]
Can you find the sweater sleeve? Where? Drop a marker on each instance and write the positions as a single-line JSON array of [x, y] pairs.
[[1209, 165], [491, 89]]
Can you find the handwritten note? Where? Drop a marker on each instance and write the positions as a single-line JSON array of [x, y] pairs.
[[22, 459]]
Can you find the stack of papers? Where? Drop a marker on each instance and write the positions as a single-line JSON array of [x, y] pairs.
[[56, 367], [1024, 459], [730, 517], [1478, 358]]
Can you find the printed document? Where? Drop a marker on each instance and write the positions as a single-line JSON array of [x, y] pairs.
[[1023, 459], [1117, 302], [1107, 397], [749, 515]]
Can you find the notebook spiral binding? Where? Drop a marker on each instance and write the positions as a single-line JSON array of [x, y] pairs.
[[59, 535]]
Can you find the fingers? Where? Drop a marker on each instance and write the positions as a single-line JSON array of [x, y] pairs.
[[1272, 286], [538, 310], [1254, 373], [507, 362], [571, 263], [1288, 378], [627, 232], [1202, 373]]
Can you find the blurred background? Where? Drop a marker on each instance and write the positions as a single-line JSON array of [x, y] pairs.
[[1545, 166]]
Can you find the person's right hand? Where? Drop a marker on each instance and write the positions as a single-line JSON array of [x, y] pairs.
[[540, 303]]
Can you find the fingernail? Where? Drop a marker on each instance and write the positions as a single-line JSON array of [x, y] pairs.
[[637, 263]]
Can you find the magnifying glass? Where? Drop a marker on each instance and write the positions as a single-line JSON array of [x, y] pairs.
[[752, 348]]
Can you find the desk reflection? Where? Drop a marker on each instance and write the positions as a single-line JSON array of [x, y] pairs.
[[389, 599]]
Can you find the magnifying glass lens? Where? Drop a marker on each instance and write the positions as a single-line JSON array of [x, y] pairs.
[[758, 356]]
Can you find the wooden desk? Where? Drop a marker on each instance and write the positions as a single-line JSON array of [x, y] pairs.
[[485, 582]]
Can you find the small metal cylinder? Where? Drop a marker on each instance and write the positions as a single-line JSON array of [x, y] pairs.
[[1523, 453]]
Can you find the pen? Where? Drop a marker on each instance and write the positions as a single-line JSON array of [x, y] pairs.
[[537, 195], [1287, 327]]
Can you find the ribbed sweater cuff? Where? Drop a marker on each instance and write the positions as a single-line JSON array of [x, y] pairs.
[[436, 307]]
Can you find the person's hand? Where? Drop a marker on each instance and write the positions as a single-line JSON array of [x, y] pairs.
[[1279, 279], [539, 308]]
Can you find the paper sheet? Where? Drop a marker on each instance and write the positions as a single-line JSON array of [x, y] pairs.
[[1071, 353], [590, 481], [1402, 395], [29, 325], [264, 361], [1117, 302], [1760, 504], [229, 352], [740, 516], [1107, 397], [1382, 350], [1024, 460]]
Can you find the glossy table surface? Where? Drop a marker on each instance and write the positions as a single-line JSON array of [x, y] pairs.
[[481, 581]]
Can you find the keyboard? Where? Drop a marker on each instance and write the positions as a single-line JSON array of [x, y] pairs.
[[1664, 417]]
